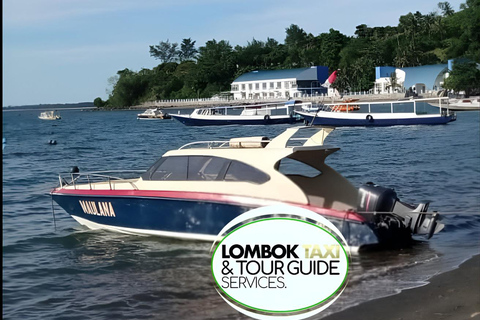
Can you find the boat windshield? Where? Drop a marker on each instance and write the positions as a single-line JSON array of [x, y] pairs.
[[203, 168]]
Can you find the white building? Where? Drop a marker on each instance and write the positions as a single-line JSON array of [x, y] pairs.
[[418, 79], [285, 84]]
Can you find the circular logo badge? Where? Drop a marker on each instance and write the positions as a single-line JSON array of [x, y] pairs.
[[280, 261]]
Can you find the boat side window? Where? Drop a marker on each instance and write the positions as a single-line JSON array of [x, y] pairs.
[[172, 168], [238, 171], [195, 168], [381, 108], [290, 167], [148, 174], [403, 107], [206, 168]]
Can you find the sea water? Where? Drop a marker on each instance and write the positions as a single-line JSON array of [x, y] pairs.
[[58, 269]]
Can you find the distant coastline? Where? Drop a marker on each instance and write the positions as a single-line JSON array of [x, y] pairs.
[[79, 105]]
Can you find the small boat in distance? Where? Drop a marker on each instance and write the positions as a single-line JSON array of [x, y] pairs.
[[155, 113], [49, 115], [194, 191], [390, 113], [464, 104], [259, 114]]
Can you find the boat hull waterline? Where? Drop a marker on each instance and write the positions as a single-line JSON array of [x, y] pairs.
[[235, 120], [183, 215], [382, 114], [339, 120], [261, 114]]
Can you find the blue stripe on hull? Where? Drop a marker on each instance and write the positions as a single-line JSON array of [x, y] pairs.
[[182, 216], [377, 122], [221, 122], [156, 214]]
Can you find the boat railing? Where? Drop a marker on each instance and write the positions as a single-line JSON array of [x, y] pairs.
[[111, 177], [227, 144], [263, 106], [208, 144], [442, 103], [224, 144], [305, 133]]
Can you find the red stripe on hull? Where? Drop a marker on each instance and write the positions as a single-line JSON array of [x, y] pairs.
[[204, 196]]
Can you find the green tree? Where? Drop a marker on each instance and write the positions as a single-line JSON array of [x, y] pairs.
[[276, 53], [295, 41], [165, 51], [253, 55], [463, 30], [464, 76], [332, 44], [129, 89], [99, 103], [187, 50], [393, 82], [446, 8], [216, 67]]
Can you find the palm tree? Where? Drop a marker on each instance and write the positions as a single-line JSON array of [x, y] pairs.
[[392, 82]]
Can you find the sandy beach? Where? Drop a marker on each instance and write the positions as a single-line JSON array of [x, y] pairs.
[[454, 295]]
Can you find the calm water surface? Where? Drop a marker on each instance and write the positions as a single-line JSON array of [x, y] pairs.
[[69, 272]]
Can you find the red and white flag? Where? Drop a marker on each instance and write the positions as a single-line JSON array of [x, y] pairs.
[[330, 79]]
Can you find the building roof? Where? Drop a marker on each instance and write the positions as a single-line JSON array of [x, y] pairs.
[[312, 73], [423, 74]]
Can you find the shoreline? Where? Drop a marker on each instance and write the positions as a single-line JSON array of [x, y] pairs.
[[453, 295]]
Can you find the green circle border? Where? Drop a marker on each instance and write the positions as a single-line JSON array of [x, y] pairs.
[[286, 311]]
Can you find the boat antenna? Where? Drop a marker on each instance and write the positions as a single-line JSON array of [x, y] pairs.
[[53, 213]]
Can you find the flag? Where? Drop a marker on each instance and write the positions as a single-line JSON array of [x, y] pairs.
[[330, 79]]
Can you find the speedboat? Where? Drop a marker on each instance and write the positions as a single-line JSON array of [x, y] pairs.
[[259, 114], [464, 104], [49, 115], [155, 113], [193, 192], [386, 113]]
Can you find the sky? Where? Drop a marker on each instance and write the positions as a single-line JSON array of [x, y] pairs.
[[65, 51]]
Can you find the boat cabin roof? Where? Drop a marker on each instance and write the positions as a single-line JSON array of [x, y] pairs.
[[290, 167], [281, 104], [304, 144]]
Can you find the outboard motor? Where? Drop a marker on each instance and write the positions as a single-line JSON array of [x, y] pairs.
[[374, 198], [394, 220], [376, 203]]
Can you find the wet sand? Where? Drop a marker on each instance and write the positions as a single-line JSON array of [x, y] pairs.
[[453, 295]]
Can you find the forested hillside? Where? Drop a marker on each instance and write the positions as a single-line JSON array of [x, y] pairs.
[[186, 71]]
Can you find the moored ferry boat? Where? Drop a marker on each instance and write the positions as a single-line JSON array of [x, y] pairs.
[[391, 113], [49, 115], [260, 114], [154, 113], [193, 192]]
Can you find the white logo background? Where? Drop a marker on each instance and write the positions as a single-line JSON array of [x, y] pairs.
[[287, 292]]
